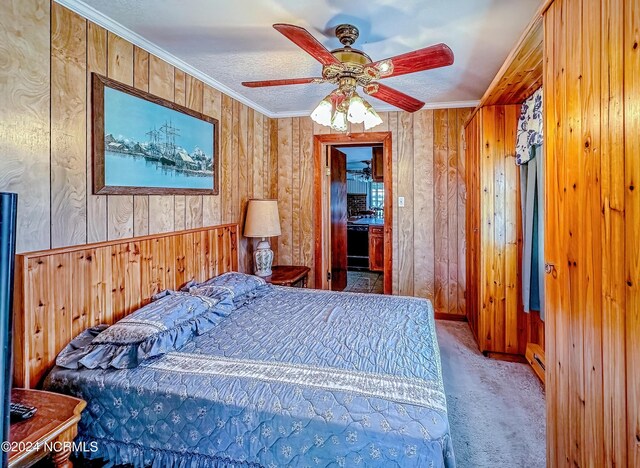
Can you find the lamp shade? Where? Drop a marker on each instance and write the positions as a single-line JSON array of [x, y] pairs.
[[263, 219]]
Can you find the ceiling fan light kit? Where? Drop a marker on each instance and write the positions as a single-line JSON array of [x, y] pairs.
[[349, 68]]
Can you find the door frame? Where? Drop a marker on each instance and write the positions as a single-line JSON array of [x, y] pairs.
[[321, 203]]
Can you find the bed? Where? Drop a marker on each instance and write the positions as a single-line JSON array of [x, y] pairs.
[[292, 377]]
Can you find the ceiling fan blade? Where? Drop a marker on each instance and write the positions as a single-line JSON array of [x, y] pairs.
[[289, 81], [393, 97], [435, 56], [303, 39]]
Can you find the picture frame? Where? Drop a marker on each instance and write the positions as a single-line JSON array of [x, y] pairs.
[[146, 145]]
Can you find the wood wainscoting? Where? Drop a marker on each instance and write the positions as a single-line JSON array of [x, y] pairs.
[[61, 292]]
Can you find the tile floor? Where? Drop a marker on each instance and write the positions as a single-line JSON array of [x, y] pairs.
[[365, 282]]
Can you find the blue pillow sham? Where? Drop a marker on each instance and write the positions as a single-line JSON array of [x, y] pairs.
[[241, 286], [164, 325]]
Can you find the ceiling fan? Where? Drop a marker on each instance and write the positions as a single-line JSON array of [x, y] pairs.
[[349, 68], [363, 174]]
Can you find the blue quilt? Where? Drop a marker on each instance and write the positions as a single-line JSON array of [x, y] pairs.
[[294, 377]]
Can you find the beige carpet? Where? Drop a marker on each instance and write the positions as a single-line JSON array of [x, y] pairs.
[[496, 408]]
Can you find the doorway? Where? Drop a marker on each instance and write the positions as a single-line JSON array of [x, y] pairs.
[[353, 215]]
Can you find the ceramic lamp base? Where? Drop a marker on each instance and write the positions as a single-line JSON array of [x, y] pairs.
[[263, 259]]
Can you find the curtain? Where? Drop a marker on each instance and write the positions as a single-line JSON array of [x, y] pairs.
[[529, 156], [532, 202]]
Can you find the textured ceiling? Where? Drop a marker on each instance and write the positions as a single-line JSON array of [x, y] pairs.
[[233, 41]]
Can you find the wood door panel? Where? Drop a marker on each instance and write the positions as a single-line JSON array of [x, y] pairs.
[[591, 232], [338, 219], [377, 166], [376, 248]]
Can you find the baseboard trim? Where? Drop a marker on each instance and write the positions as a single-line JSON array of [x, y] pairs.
[[452, 317], [505, 357]]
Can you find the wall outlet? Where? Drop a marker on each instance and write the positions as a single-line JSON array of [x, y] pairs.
[[401, 202]]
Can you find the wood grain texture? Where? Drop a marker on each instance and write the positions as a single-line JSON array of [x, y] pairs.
[[117, 278], [226, 158], [440, 161], [96, 63], [324, 190], [472, 224], [241, 125], [592, 211], [521, 73], [285, 190], [119, 68], [68, 127], [631, 49], [493, 298], [452, 212], [405, 216], [423, 232], [141, 82], [47, 134], [25, 116], [211, 207], [414, 170], [461, 280], [162, 212]]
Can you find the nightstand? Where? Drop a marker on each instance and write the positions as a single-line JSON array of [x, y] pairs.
[[289, 275], [55, 423]]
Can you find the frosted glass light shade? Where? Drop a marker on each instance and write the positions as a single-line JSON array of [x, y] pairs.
[[263, 219], [357, 109], [322, 113], [371, 118], [339, 121]]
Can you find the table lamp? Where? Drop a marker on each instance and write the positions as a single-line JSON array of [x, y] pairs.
[[263, 220]]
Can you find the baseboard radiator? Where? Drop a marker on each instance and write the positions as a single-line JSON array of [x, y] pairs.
[[535, 357]]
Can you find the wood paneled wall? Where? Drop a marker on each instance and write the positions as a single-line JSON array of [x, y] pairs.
[[63, 291], [592, 232], [25, 123], [46, 134], [473, 294], [494, 221], [428, 171]]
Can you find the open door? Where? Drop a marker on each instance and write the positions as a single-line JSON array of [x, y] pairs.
[[338, 219]]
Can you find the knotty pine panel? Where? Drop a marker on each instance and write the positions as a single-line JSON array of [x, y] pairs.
[[49, 150], [592, 224], [494, 235], [60, 292], [416, 139]]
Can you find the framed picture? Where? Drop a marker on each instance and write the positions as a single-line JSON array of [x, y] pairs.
[[143, 144]]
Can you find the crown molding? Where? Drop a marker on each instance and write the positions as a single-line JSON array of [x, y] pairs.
[[115, 27], [109, 24], [388, 108]]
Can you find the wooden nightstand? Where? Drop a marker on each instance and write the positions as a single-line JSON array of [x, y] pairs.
[[288, 275], [55, 423]]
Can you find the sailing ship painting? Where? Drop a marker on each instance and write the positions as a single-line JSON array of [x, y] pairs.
[[148, 147]]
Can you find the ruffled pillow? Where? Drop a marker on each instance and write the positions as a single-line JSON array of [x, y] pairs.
[[164, 325], [241, 286], [237, 283]]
